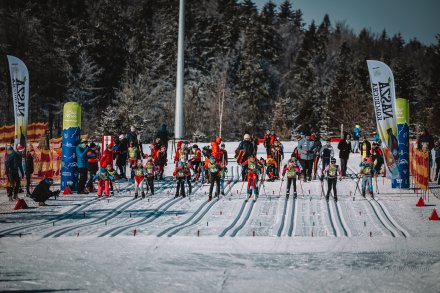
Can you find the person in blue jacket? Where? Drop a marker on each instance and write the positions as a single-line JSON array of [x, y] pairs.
[[81, 159], [356, 138], [13, 166]]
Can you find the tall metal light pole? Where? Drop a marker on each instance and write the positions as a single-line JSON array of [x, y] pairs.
[[179, 122]]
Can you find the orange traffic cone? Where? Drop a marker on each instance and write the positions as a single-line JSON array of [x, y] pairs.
[[21, 204], [434, 216], [420, 203], [67, 190]]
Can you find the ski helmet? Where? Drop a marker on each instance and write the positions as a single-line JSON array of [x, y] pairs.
[[195, 146], [121, 137], [222, 145], [212, 159], [180, 164], [333, 160]]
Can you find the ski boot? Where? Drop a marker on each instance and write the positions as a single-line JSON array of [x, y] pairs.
[[210, 197], [363, 194], [143, 195], [336, 199], [176, 196], [217, 195], [287, 195], [223, 192], [295, 195], [327, 198], [135, 195]]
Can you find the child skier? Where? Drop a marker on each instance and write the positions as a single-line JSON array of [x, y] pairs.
[[139, 175], [367, 172], [195, 158], [181, 172], [331, 172], [277, 155], [214, 170], [149, 175], [326, 154], [104, 179], [252, 176], [160, 162], [114, 174], [292, 170], [272, 167], [133, 154]]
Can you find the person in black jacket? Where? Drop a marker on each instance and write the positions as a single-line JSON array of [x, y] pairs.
[[164, 135], [344, 147], [121, 151], [29, 168], [42, 191], [242, 153]]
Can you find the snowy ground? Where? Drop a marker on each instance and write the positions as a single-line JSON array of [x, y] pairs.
[[80, 243]]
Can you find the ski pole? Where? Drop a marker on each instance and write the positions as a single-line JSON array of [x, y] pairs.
[[377, 187], [357, 187], [282, 180], [242, 185], [302, 190]]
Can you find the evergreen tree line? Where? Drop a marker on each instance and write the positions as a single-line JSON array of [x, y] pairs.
[[248, 69]]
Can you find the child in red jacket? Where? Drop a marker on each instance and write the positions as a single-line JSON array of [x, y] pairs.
[[254, 169]]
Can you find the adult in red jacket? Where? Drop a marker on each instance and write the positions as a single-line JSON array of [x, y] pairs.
[[107, 157], [216, 151]]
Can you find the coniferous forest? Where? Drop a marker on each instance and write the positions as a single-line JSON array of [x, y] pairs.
[[250, 69]]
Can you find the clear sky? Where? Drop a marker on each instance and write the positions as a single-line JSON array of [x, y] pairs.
[[413, 19]]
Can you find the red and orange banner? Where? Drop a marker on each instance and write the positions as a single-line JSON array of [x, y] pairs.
[[419, 168], [47, 162], [34, 132]]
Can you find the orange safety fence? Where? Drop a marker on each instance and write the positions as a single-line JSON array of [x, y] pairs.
[[47, 162], [419, 167]]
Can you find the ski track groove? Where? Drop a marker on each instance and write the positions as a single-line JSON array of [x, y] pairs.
[[292, 227], [119, 229], [235, 220], [283, 218], [186, 221], [113, 213], [185, 224], [331, 216], [382, 221], [344, 225], [392, 220], [240, 214], [155, 214], [58, 218], [246, 218]]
